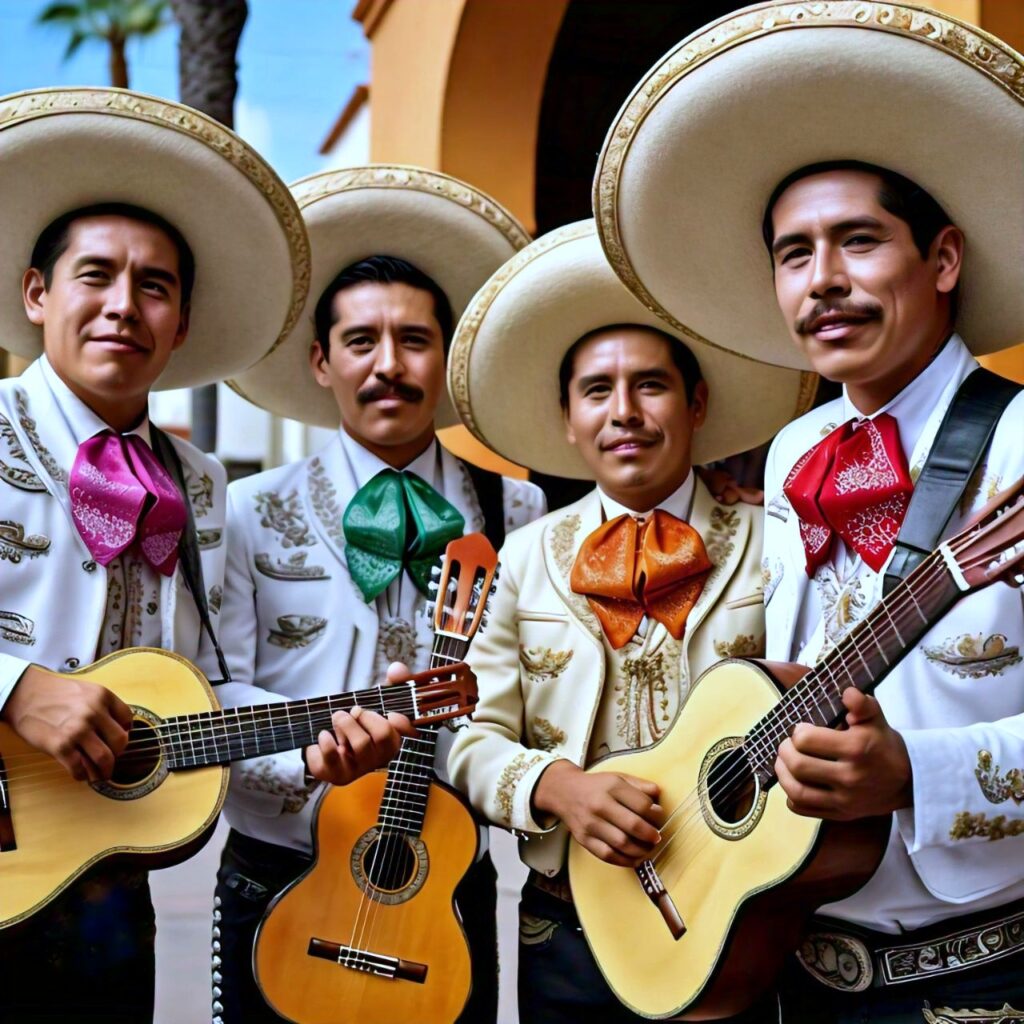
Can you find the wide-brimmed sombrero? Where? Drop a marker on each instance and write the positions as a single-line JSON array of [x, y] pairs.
[[449, 230], [696, 151], [510, 342], [62, 149]]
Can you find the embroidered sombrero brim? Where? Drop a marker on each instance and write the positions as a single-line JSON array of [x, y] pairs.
[[719, 121], [449, 230], [503, 369], [61, 149]]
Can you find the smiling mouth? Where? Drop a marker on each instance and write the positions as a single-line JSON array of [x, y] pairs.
[[628, 444], [117, 339]]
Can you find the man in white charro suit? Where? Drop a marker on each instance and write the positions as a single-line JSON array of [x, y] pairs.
[[608, 610], [311, 606], [101, 547]]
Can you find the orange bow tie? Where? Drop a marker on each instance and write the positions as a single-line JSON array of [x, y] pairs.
[[626, 571]]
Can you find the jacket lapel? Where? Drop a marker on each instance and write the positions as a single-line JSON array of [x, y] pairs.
[[562, 540], [725, 530]]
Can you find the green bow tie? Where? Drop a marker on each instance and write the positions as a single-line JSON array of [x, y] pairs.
[[397, 521]]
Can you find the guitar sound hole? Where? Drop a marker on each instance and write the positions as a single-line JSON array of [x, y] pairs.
[[140, 758], [731, 786], [389, 863]]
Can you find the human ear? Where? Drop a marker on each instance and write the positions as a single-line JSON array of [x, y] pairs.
[[317, 363], [699, 404], [33, 294], [947, 250]]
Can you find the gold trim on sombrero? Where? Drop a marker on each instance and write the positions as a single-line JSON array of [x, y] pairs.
[[416, 179], [961, 40], [26, 106], [586, 265]]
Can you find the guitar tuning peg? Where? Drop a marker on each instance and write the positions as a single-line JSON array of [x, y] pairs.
[[494, 589], [432, 586], [435, 571]]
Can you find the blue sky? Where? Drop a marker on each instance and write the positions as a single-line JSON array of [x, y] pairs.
[[299, 61]]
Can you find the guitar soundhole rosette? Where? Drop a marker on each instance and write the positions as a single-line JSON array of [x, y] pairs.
[[142, 766], [731, 798], [389, 866]]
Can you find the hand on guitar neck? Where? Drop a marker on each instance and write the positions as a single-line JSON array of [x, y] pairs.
[[81, 724], [841, 775], [362, 741], [615, 817]]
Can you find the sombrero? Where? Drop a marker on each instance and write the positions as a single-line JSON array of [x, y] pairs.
[[61, 149], [720, 120], [503, 366], [449, 230]]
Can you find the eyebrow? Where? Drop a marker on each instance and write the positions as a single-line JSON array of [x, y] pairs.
[[783, 241], [657, 373], [108, 264], [359, 329]]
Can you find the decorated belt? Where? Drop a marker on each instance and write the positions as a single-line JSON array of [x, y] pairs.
[[849, 959], [558, 886]]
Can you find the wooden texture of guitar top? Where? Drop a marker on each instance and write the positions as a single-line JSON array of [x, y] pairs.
[[62, 827], [415, 923]]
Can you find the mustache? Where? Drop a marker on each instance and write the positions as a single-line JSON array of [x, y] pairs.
[[853, 310], [389, 389]]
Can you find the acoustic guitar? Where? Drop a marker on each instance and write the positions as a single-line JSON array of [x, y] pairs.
[[370, 931], [167, 788], [702, 928]]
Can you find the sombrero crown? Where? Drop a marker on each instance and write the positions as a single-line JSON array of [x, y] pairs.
[[721, 119]]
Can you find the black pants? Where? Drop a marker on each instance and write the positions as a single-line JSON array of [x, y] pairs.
[[87, 957], [253, 872], [982, 987], [559, 980]]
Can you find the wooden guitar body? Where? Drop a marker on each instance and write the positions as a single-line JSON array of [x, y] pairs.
[[721, 865], [56, 828], [408, 917]]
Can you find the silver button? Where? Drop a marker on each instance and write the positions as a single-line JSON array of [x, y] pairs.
[[216, 935], [216, 947], [216, 992], [217, 1007], [89, 565], [71, 663]]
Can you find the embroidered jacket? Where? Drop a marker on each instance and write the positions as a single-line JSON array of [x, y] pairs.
[[53, 596], [541, 664], [294, 623], [957, 698]]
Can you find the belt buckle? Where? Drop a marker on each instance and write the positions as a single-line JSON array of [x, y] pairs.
[[840, 962]]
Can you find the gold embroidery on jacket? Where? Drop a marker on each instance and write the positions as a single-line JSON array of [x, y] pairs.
[[17, 628], [295, 631], [945, 1015], [982, 483], [972, 657], [260, 776], [200, 493], [323, 497], [15, 544], [546, 735], [29, 426], [292, 568], [967, 826], [21, 477], [284, 516], [510, 778], [842, 602], [215, 598], [999, 788], [642, 694], [542, 663], [742, 646]]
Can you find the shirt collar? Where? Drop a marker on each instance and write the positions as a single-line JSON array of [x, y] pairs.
[[676, 504], [365, 465], [81, 420], [912, 407]]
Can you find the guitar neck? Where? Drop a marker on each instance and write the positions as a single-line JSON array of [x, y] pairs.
[[234, 734], [861, 659], [403, 806]]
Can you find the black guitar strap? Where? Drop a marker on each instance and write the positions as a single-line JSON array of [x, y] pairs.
[[962, 440], [188, 546]]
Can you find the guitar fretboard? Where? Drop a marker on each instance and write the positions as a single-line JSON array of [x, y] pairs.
[[234, 734], [403, 807], [861, 659]]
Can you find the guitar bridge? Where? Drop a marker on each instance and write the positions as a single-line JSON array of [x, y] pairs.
[[7, 840], [390, 967], [658, 895]]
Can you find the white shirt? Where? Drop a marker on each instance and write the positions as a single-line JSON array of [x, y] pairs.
[[132, 615]]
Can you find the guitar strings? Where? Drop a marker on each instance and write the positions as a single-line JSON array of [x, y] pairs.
[[927, 577], [740, 776]]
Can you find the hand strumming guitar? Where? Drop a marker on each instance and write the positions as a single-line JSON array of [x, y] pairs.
[[849, 773], [615, 817], [362, 741], [81, 724]]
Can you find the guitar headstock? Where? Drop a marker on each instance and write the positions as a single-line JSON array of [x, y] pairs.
[[991, 547], [443, 693], [462, 585]]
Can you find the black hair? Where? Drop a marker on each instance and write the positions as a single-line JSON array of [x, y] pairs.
[[684, 360], [380, 270], [897, 195], [54, 239]]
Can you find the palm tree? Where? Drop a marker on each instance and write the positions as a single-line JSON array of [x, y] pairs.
[[208, 81], [111, 21]]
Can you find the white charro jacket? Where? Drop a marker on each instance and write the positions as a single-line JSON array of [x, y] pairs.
[[541, 662]]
